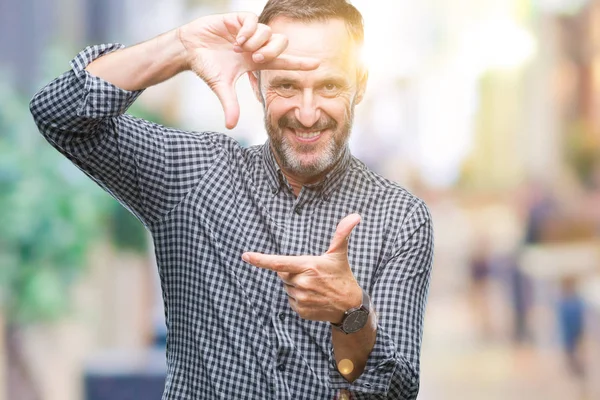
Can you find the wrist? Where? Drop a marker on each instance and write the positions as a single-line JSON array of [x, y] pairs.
[[355, 317], [176, 50], [352, 298]]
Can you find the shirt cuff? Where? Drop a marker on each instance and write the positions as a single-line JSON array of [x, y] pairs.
[[101, 98], [383, 366]]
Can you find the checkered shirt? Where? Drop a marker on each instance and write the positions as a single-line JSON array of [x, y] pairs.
[[206, 200]]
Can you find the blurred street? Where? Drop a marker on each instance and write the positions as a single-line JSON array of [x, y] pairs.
[[459, 362], [489, 112]]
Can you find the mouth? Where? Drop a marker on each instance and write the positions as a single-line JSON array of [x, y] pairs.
[[307, 136]]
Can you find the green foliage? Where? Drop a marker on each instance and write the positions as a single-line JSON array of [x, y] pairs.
[[49, 214]]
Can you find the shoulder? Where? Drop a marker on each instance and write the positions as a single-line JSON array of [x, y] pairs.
[[394, 200]]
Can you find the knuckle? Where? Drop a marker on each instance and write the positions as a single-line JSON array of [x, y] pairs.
[[280, 39], [301, 296], [312, 266], [279, 267], [290, 291], [246, 16], [263, 28], [302, 282]]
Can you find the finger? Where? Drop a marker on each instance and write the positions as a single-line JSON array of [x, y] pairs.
[[294, 63], [339, 243], [290, 291], [292, 264], [274, 47], [249, 22], [258, 39], [293, 303], [285, 278], [228, 98]]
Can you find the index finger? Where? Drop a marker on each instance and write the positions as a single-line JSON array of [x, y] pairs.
[[288, 62], [291, 264]]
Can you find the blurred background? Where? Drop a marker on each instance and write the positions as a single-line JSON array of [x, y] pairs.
[[487, 109]]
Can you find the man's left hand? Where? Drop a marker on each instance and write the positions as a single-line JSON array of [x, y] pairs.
[[319, 288]]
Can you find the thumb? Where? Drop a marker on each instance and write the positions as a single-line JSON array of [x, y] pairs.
[[339, 243], [228, 98]]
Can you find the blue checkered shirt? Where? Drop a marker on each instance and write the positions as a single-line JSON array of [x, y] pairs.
[[206, 200]]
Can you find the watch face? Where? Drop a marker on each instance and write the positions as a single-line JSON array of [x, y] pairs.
[[355, 321]]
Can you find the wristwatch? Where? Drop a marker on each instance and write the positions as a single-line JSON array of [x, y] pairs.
[[355, 318]]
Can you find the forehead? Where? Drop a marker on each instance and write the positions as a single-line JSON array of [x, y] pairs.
[[327, 40]]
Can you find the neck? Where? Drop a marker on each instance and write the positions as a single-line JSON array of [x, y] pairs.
[[297, 181], [294, 183]]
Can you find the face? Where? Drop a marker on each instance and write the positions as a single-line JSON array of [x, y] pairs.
[[308, 114]]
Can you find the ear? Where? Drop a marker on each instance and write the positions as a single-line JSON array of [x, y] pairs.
[[255, 83], [363, 77]]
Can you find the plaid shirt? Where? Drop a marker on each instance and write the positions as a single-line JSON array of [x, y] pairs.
[[206, 200]]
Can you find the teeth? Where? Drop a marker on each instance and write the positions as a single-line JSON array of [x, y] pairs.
[[308, 135]]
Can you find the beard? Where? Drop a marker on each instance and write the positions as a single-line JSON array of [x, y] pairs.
[[309, 160]]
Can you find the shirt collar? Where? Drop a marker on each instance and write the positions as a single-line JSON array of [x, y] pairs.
[[325, 186]]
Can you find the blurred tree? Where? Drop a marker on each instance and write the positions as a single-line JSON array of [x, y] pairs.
[[50, 215]]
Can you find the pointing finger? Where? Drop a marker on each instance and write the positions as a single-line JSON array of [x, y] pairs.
[[339, 243], [275, 263]]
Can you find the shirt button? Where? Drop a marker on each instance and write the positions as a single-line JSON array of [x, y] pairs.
[[298, 210], [281, 367], [282, 316], [274, 190]]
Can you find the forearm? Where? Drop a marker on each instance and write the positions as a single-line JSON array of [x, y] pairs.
[[355, 347], [143, 65]]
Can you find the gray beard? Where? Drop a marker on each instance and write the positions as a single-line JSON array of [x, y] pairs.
[[287, 155]]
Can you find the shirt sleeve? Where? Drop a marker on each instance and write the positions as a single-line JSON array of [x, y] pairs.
[[147, 167], [399, 296]]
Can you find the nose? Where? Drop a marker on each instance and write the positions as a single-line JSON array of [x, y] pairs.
[[308, 112]]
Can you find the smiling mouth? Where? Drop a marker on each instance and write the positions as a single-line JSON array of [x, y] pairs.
[[307, 135]]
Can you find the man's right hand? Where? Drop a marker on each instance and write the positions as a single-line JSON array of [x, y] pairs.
[[221, 48], [218, 48]]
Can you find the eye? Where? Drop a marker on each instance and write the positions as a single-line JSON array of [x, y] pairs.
[[330, 87], [286, 86]]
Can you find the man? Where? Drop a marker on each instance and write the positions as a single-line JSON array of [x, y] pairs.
[[265, 298]]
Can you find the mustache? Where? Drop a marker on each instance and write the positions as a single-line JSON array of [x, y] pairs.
[[325, 122]]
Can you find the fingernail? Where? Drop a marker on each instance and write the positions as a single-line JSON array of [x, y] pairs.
[[237, 49], [246, 257], [241, 40], [258, 58]]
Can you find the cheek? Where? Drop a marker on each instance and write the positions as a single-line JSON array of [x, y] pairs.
[[277, 106], [338, 109]]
